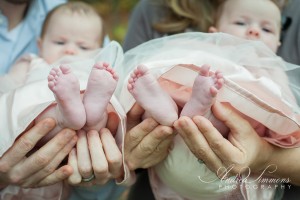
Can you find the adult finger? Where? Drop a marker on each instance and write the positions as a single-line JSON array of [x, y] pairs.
[[160, 153], [152, 140], [83, 155], [112, 153], [27, 141], [52, 166], [134, 116], [57, 176], [138, 156], [112, 122], [219, 145], [240, 129], [75, 178], [45, 154], [197, 142], [230, 117], [99, 163], [135, 135], [242, 136]]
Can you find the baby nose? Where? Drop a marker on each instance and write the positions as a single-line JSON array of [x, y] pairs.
[[253, 32], [70, 50]]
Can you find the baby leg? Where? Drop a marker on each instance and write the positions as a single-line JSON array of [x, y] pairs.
[[100, 88], [205, 89], [70, 112], [148, 93]]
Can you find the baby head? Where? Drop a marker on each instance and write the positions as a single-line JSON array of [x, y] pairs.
[[250, 19], [73, 28]]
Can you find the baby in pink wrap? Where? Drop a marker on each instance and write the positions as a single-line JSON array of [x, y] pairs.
[[161, 105], [165, 100]]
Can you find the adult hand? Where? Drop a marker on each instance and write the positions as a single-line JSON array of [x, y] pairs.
[[96, 154], [40, 168], [243, 150], [146, 143]]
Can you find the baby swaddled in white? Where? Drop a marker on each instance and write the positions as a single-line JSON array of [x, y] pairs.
[[253, 81], [22, 103]]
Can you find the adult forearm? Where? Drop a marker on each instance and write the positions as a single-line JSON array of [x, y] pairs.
[[285, 165]]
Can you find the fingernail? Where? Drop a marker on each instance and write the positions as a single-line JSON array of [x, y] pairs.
[[152, 123], [66, 171], [103, 131], [69, 133], [171, 147], [177, 128], [48, 123], [197, 119], [74, 139], [181, 122]]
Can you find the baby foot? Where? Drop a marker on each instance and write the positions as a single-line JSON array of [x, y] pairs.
[[205, 88], [65, 86], [148, 93], [100, 88]]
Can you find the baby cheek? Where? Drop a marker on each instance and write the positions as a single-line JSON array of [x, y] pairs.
[[55, 57], [273, 45], [47, 60]]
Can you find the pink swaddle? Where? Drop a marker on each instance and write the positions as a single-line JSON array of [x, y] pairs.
[[255, 85]]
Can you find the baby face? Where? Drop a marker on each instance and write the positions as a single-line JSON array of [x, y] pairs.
[[70, 34], [253, 20]]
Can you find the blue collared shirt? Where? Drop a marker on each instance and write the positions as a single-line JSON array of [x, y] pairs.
[[23, 38]]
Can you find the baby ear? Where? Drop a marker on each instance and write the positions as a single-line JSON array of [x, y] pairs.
[[213, 29]]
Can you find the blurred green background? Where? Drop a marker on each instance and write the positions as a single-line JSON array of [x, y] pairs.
[[116, 14]]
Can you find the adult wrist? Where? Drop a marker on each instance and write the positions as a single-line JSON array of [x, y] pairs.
[[265, 158], [270, 165]]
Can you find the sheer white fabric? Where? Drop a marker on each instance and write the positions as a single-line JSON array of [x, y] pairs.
[[255, 85]]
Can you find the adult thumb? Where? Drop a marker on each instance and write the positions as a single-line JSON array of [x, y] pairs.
[[230, 117]]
